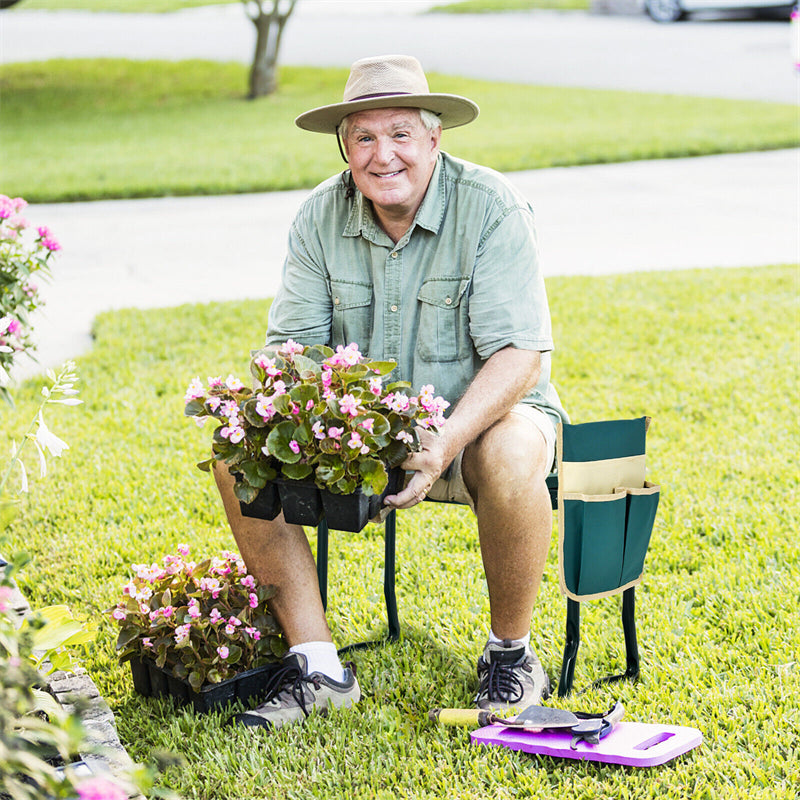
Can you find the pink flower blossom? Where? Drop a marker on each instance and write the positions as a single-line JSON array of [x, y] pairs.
[[118, 614], [367, 424], [335, 433], [319, 430], [182, 633], [234, 384], [279, 387], [349, 404], [249, 582], [375, 385], [355, 441], [234, 621], [147, 641], [405, 436], [195, 391], [194, 609], [309, 405], [215, 616], [294, 447], [183, 549], [290, 347], [223, 651], [254, 633], [345, 356], [100, 789], [264, 407], [253, 598], [215, 383], [399, 402]]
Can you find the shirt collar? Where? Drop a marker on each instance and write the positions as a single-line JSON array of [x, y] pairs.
[[361, 221]]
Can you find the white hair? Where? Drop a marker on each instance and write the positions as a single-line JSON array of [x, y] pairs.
[[429, 120]]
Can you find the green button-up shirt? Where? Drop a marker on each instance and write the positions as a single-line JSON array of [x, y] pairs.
[[463, 282]]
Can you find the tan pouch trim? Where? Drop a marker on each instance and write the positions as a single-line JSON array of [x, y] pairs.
[[601, 477]]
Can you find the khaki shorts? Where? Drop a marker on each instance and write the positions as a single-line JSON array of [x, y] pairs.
[[451, 487]]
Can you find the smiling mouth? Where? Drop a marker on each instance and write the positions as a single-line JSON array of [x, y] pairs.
[[387, 174]]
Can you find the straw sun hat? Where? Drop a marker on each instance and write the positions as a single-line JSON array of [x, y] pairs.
[[388, 82]]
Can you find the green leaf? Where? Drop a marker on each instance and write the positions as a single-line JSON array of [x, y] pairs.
[[195, 408], [307, 368], [278, 443], [296, 472], [381, 367]]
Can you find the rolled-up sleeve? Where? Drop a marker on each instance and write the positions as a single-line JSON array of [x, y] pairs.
[[302, 308], [508, 302]]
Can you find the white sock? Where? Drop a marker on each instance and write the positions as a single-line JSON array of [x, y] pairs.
[[526, 640], [321, 657]]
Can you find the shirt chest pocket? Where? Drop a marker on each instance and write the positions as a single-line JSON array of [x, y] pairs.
[[352, 313], [444, 319]]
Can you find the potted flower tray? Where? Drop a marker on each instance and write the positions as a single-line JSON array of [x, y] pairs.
[[153, 681]]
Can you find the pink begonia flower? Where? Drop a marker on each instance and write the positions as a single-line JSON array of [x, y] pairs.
[[345, 356], [319, 430], [234, 621], [234, 384], [355, 441], [229, 408], [279, 387], [30, 288], [215, 383], [309, 405], [215, 616], [405, 436], [5, 597], [223, 651], [254, 633], [326, 376], [375, 385], [268, 365], [119, 614], [335, 433], [230, 630], [147, 641], [100, 789], [367, 424], [14, 327], [195, 391], [399, 402], [294, 447], [144, 609], [253, 598], [194, 609], [183, 549], [349, 405], [233, 433], [182, 633], [291, 347], [249, 582], [213, 403], [264, 407]]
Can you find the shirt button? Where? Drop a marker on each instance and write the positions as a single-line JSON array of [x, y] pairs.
[[448, 301], [336, 301], [394, 255], [393, 308]]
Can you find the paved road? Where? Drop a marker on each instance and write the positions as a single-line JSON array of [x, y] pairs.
[[722, 58]]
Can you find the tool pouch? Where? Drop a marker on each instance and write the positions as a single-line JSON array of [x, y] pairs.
[[606, 508]]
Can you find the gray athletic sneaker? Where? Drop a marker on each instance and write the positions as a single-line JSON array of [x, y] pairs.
[[292, 695], [511, 677]]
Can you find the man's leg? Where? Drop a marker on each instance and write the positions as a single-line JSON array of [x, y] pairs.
[[278, 553], [312, 677], [505, 471]]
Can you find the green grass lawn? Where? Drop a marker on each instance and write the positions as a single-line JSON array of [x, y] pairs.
[[88, 129], [711, 355]]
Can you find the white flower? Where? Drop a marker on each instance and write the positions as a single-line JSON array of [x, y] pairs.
[[48, 440]]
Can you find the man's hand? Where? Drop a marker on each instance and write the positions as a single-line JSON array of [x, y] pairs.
[[428, 464]]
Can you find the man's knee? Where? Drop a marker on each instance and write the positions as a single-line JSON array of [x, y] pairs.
[[511, 451]]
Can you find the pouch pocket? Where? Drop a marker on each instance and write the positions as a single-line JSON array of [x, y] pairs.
[[606, 538], [442, 319], [352, 313]]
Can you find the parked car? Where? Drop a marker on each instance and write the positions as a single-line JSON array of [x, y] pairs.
[[674, 10]]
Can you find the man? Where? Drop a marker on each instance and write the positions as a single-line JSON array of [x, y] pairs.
[[432, 262]]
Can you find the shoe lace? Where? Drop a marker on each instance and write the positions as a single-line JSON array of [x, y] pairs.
[[290, 679], [499, 681]]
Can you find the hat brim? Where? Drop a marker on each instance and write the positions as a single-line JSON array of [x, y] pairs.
[[451, 109]]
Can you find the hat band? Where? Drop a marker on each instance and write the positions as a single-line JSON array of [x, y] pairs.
[[377, 94]]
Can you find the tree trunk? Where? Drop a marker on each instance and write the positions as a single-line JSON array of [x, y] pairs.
[[269, 28]]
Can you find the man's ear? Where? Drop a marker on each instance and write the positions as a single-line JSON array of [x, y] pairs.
[[436, 138]]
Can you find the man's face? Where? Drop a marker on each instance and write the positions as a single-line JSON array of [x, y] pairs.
[[392, 156]]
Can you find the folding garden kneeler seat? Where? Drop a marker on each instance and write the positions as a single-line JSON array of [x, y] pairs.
[[606, 513]]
